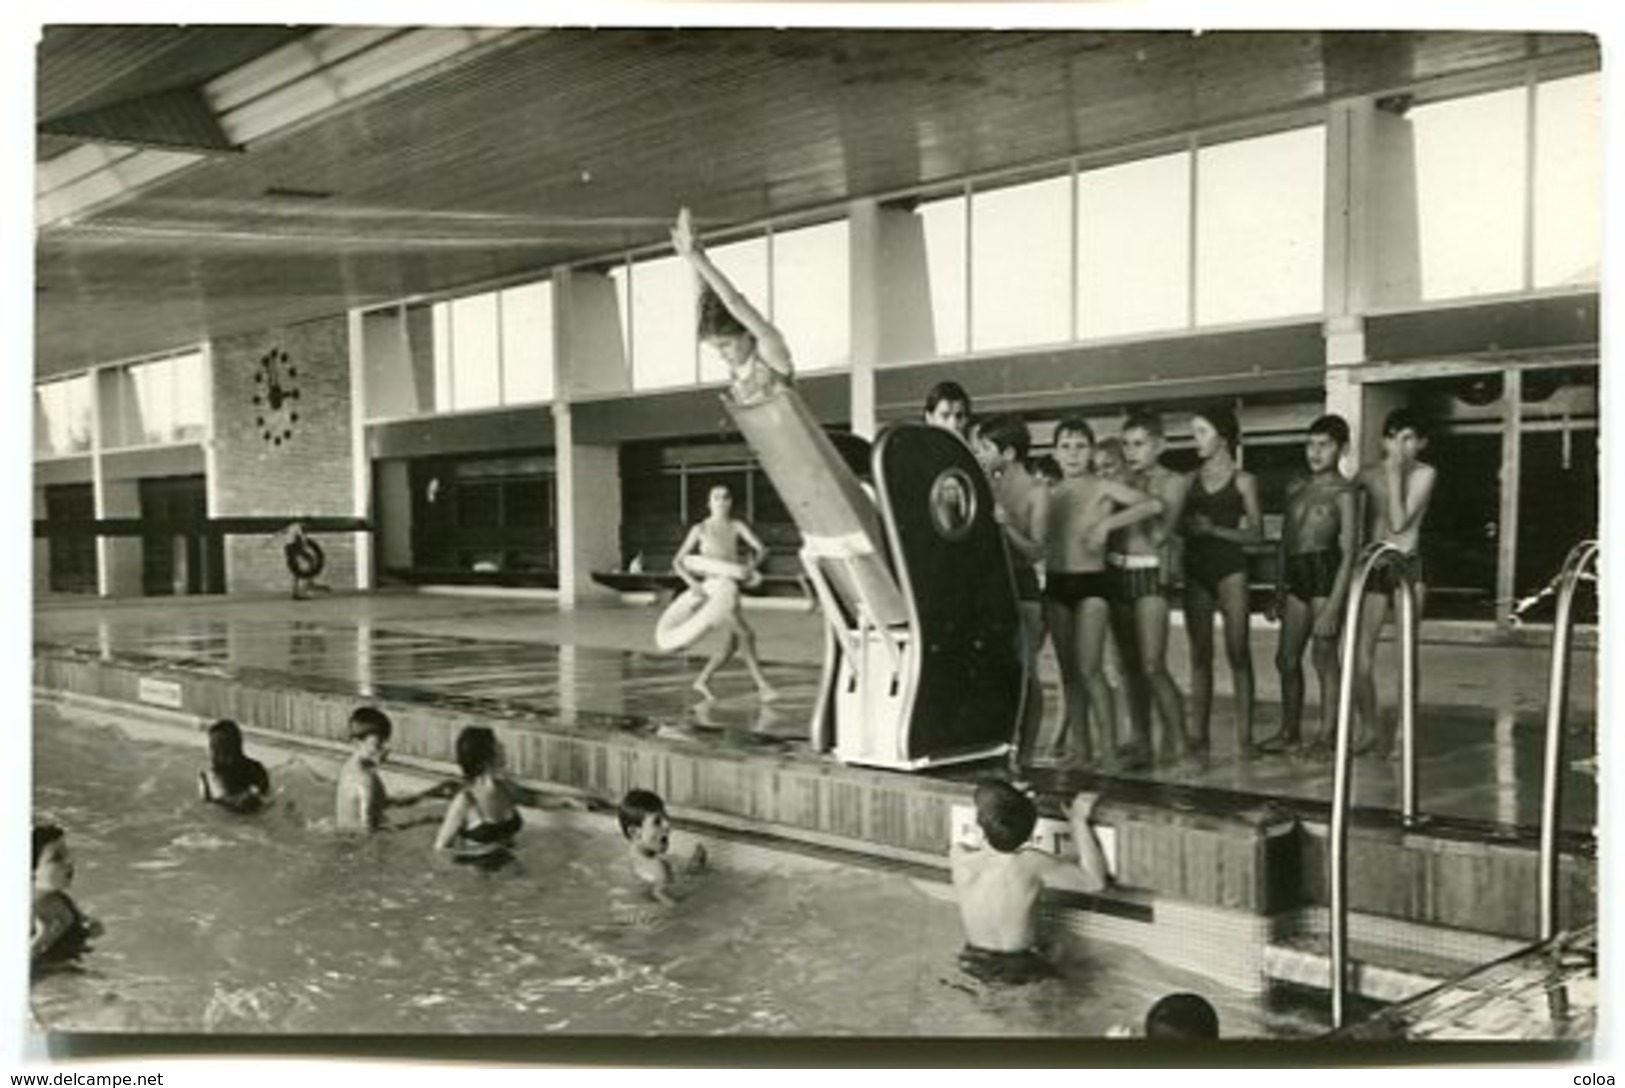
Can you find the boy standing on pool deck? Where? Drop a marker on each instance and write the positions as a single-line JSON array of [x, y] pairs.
[[1083, 510], [1141, 562], [1318, 541], [1397, 491], [361, 798], [719, 537], [997, 882], [1002, 445]]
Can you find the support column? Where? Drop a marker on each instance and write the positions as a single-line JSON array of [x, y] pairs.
[[121, 556], [891, 299], [1372, 252], [589, 513], [589, 359], [361, 464], [1506, 533]]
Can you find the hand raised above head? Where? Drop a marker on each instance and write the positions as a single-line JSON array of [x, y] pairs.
[[682, 234]]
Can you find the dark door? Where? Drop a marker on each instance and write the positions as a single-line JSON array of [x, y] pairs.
[[70, 515], [179, 555]]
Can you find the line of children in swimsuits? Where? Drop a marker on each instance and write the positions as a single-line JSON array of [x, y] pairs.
[[1117, 534]]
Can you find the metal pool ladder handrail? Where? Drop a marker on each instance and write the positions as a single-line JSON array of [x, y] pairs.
[[1373, 556], [1583, 555]]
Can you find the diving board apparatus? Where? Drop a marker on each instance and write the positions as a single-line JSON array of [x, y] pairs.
[[922, 658]]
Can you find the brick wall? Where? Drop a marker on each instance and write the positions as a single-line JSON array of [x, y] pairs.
[[308, 474]]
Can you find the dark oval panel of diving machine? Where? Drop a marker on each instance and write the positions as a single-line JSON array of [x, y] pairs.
[[922, 661]]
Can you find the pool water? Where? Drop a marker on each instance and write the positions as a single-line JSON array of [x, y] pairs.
[[277, 923]]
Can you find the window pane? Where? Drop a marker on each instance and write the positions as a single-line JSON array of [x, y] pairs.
[[1470, 194], [62, 416], [440, 320], [1021, 264], [155, 401], [1568, 181], [811, 298], [745, 265], [662, 323], [1134, 247], [1259, 207], [476, 375], [527, 343], [945, 265], [191, 398]]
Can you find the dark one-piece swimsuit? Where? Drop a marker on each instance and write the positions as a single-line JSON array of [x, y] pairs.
[[1209, 560]]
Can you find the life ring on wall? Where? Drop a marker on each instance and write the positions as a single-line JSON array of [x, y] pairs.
[[697, 610], [305, 558]]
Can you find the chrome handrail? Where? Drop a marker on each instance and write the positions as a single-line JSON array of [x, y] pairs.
[[1581, 556], [1374, 555]]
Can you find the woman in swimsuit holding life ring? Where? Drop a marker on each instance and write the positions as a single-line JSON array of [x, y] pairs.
[[709, 563]]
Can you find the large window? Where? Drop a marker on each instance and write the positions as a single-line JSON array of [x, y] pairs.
[[1021, 264], [156, 403], [1470, 188], [944, 224], [662, 323], [1134, 247], [1568, 182], [1260, 211], [494, 348], [62, 416], [811, 294]]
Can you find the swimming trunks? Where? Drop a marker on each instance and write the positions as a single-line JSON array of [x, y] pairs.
[[1310, 575], [1135, 576], [1005, 968], [1208, 559], [490, 832], [1027, 588], [1385, 579], [1071, 587]]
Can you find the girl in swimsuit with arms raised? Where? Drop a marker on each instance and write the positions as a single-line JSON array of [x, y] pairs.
[[754, 350]]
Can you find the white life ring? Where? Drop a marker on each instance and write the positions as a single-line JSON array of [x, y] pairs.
[[709, 568], [696, 611]]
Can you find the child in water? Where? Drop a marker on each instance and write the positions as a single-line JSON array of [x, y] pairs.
[[360, 799], [232, 780], [482, 819], [645, 826], [997, 882], [60, 932]]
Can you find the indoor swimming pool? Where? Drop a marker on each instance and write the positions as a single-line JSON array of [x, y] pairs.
[[277, 924]]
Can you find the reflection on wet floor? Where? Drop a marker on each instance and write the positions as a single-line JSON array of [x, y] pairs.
[[1478, 763]]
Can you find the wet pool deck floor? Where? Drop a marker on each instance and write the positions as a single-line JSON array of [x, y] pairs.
[[1479, 734]]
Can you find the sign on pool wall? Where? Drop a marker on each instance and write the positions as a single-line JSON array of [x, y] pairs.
[[166, 693]]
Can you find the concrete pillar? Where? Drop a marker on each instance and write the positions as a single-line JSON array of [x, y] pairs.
[[589, 359], [891, 299], [589, 514], [392, 349], [41, 545], [387, 372], [588, 351], [121, 555], [1372, 251]]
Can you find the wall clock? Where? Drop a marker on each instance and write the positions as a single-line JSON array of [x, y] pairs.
[[276, 397]]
